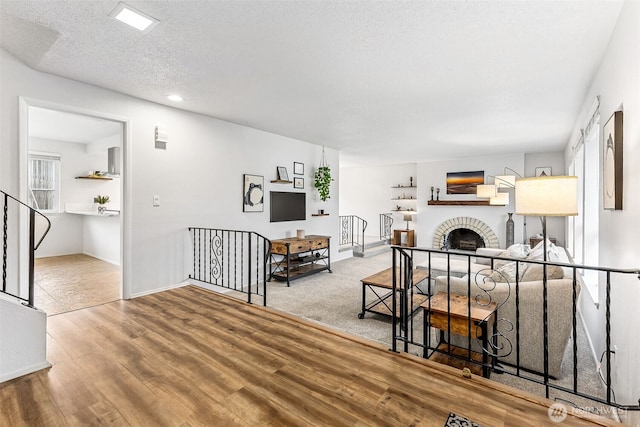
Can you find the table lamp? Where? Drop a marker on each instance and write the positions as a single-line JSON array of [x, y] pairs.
[[545, 196], [408, 218]]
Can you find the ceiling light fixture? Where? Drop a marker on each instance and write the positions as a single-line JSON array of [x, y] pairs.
[[176, 98], [133, 17]]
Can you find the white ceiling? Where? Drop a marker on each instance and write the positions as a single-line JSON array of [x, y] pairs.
[[61, 126], [382, 81]]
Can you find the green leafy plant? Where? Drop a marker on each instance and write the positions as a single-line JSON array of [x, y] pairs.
[[101, 200], [322, 181]]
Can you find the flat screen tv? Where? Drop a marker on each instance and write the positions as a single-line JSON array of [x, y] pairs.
[[287, 206]]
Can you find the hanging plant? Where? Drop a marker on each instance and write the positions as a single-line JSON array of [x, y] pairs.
[[322, 178]]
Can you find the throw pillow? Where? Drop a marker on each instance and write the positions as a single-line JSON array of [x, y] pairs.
[[507, 273], [534, 273], [517, 250], [538, 251]]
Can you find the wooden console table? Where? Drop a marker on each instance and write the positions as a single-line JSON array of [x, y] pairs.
[[452, 314], [293, 258]]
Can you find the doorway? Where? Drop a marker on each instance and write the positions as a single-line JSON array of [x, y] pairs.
[[72, 159]]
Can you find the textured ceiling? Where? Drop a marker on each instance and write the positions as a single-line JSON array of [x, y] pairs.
[[384, 82]]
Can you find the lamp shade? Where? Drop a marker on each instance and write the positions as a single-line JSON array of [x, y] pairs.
[[500, 199], [547, 196], [408, 218], [485, 190]]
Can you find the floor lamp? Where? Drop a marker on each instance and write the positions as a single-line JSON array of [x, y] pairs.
[[545, 196]]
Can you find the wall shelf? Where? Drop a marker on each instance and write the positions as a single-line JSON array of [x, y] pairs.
[[318, 214], [99, 178], [460, 203], [280, 181]]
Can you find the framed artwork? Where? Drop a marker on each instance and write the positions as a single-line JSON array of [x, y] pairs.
[[464, 182], [298, 182], [298, 168], [282, 173], [612, 164], [253, 193], [543, 171]]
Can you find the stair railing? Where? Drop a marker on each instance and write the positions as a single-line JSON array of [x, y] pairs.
[[232, 259], [14, 212], [352, 229], [386, 223]]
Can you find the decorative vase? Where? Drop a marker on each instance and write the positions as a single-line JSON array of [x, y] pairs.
[[510, 229], [101, 209]]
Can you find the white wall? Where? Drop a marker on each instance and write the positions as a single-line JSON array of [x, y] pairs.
[[198, 177], [366, 192], [617, 82]]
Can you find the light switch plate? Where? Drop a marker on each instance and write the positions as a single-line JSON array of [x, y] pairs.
[[156, 200]]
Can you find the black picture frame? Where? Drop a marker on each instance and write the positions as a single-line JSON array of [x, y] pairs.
[[298, 182], [612, 162], [252, 193], [282, 173], [298, 168]]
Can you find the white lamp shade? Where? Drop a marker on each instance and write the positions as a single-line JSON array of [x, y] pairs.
[[500, 199], [508, 181], [485, 190], [547, 196]]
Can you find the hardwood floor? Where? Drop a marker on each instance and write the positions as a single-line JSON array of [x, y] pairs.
[[190, 357], [71, 282]]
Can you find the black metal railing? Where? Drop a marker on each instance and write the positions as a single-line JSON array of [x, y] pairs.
[[386, 223], [529, 323], [352, 229], [231, 259], [14, 214]]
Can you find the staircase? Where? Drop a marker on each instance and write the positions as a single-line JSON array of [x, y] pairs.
[[23, 328], [373, 248]]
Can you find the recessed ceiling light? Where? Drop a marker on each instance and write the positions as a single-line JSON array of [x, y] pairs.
[[176, 98], [133, 17]]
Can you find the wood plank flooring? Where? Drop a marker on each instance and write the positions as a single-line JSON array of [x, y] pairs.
[[71, 282], [190, 357]]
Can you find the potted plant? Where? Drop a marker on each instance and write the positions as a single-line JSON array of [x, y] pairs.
[[322, 178], [101, 201]]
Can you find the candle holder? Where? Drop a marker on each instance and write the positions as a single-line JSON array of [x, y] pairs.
[[438, 194], [431, 193]]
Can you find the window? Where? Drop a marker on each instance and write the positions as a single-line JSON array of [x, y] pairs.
[[44, 182], [584, 229]]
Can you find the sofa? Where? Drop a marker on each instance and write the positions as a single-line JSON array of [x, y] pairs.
[[498, 278]]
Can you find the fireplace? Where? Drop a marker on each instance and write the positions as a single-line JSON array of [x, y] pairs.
[[463, 239], [464, 233]]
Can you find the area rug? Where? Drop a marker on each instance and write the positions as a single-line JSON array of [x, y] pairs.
[[458, 421]]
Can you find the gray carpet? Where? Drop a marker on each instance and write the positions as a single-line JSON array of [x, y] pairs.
[[334, 300]]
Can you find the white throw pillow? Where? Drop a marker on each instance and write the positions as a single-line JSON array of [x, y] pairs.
[[517, 250], [538, 251], [534, 273]]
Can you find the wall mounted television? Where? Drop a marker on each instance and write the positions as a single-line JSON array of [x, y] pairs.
[[288, 206]]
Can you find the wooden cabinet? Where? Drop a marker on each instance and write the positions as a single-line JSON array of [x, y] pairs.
[[404, 238], [293, 258]]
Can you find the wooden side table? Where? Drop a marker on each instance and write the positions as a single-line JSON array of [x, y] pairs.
[[382, 302], [410, 237], [451, 313], [535, 240]]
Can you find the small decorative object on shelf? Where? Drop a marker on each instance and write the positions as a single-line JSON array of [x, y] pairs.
[[410, 181], [101, 201], [437, 193], [432, 192]]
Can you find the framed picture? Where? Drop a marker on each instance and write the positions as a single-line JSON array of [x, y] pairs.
[[282, 173], [543, 171], [464, 182], [253, 193], [612, 165], [298, 182], [298, 168]]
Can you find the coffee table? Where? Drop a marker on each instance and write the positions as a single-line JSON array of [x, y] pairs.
[[452, 314], [380, 283]]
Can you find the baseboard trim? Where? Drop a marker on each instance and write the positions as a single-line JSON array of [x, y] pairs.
[[24, 371], [155, 291]]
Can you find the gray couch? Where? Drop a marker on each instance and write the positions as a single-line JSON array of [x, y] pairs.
[[560, 297]]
